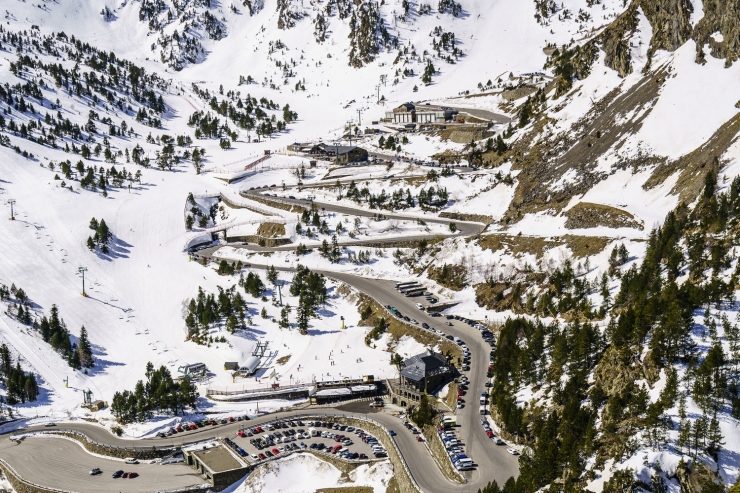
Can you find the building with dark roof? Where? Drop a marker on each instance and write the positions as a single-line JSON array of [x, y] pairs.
[[425, 371], [425, 113], [339, 153]]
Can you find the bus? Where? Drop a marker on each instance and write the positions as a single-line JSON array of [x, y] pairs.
[[414, 292], [410, 288], [402, 285]]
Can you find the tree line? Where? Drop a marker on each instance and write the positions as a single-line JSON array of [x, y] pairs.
[[158, 394]]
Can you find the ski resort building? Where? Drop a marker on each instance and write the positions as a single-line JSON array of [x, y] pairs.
[[421, 373], [341, 154], [426, 113]]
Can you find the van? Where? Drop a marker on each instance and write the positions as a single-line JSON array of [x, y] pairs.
[[449, 420], [482, 400], [131, 460], [314, 432], [483, 410]]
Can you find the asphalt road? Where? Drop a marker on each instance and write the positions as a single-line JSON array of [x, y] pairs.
[[65, 465], [464, 228], [484, 114]]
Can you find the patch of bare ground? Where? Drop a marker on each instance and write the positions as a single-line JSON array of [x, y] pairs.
[[518, 93], [588, 215], [271, 230], [459, 216], [580, 246], [695, 165], [451, 276]]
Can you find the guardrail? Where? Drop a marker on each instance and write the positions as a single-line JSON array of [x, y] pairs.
[[61, 431], [257, 391]]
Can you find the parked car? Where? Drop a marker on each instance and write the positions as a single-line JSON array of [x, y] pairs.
[[117, 474], [512, 451], [95, 471], [131, 460]]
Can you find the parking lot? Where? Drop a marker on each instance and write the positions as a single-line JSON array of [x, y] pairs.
[[262, 442]]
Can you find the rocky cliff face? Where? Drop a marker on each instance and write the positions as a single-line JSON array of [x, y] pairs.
[[671, 22], [615, 41], [720, 17]]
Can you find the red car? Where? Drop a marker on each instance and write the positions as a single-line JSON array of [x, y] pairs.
[[241, 433], [275, 451], [178, 429], [132, 475], [262, 456], [259, 429], [125, 474], [489, 433], [193, 426], [231, 420]]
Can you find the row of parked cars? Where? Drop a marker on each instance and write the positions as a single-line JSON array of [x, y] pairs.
[[194, 425], [455, 448], [496, 439], [267, 443]]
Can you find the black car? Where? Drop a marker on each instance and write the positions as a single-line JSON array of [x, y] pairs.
[[449, 337], [268, 453], [407, 319], [450, 317], [117, 474], [435, 314], [425, 325]]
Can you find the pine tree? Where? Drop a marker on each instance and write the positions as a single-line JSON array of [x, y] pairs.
[[91, 243], [272, 275], [31, 387], [6, 363], [714, 435], [85, 350]]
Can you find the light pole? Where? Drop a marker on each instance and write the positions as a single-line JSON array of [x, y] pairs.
[[12, 214], [359, 116], [82, 271]]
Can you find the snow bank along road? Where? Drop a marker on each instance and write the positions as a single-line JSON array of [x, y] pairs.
[[464, 228]]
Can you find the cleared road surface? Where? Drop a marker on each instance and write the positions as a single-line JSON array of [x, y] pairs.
[[63, 464]]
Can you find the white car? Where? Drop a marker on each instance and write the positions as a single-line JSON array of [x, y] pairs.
[[131, 460], [254, 457], [419, 306], [512, 451]]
